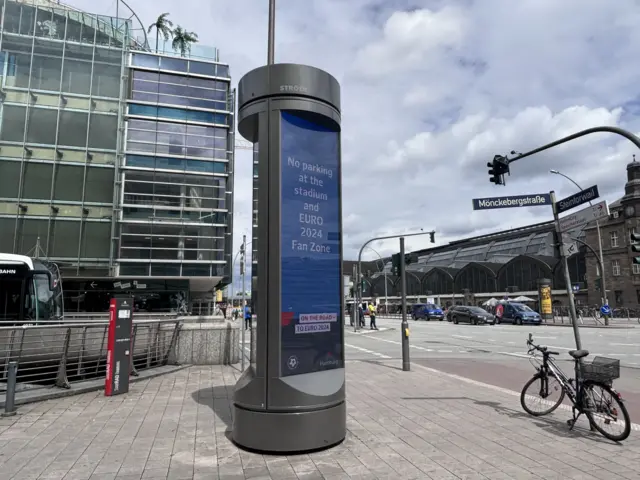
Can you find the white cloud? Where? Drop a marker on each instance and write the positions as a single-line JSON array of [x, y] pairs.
[[432, 89]]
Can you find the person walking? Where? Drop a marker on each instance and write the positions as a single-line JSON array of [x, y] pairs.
[[361, 321], [372, 316], [247, 317]]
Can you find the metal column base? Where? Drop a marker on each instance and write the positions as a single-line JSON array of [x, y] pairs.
[[289, 432]]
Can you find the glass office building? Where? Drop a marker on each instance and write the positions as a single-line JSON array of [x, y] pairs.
[[177, 176], [114, 162], [62, 102]]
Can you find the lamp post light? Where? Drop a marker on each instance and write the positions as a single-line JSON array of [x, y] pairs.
[[384, 272], [604, 299]]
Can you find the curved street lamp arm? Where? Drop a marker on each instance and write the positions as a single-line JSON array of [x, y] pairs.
[[592, 251], [618, 131], [570, 179]]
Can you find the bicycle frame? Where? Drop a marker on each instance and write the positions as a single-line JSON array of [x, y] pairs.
[[552, 368]]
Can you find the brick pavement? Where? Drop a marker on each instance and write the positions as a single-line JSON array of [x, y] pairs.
[[402, 425]]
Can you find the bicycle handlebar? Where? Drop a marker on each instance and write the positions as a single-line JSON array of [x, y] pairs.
[[542, 349]]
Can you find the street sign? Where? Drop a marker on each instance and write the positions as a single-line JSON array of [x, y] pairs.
[[569, 244], [579, 198], [584, 216], [605, 310], [533, 200], [576, 288]]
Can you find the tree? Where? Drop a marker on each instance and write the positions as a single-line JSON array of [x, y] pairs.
[[182, 40], [163, 27]]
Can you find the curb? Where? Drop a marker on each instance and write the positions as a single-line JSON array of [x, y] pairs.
[[606, 327]]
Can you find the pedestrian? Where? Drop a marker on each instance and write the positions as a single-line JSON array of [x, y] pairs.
[[372, 316], [235, 313], [361, 316], [223, 309], [247, 317]]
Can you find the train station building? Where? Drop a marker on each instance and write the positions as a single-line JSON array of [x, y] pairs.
[[510, 262]]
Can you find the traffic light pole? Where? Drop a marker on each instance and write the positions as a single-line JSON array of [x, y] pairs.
[[567, 276], [358, 277], [406, 361]]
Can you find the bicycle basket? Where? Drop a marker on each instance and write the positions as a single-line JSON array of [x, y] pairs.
[[601, 369]]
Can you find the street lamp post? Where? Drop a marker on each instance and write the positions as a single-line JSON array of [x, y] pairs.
[[603, 285], [365, 245], [384, 272]]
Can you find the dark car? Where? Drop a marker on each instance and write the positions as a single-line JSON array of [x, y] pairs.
[[519, 314], [471, 314], [449, 312], [428, 311]]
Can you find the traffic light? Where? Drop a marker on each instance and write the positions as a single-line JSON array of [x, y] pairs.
[[497, 169], [395, 264], [410, 258], [635, 246]]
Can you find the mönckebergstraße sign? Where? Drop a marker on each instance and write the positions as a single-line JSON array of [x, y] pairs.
[[533, 200], [579, 198]]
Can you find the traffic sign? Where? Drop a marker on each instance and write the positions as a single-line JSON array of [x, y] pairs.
[[579, 198], [605, 310], [533, 200], [584, 216]]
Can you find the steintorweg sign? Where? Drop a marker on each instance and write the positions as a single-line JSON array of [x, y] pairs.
[[584, 216], [533, 200], [579, 198]]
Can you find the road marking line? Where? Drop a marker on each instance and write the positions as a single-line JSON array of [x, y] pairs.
[[634, 426], [560, 348], [522, 355], [461, 336], [366, 350], [623, 344]]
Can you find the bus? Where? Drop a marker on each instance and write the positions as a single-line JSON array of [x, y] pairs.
[[30, 291]]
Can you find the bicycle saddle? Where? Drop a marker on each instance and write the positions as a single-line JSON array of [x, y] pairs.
[[578, 354]]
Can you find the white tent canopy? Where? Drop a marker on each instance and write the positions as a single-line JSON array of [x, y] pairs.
[[492, 302], [522, 298]]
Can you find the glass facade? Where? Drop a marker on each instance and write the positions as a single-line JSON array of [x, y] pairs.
[[62, 103], [177, 176]]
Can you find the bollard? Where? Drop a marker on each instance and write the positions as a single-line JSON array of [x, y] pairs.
[[10, 398]]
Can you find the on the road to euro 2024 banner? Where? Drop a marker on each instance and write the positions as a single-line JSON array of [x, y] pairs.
[[311, 289]]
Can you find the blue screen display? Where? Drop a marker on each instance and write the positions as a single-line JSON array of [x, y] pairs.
[[312, 319]]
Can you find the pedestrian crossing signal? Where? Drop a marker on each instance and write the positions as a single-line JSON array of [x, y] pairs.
[[497, 169]]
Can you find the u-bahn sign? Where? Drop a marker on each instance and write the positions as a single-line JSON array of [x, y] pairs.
[[533, 200]]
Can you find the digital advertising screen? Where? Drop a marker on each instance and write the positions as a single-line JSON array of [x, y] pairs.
[[311, 289]]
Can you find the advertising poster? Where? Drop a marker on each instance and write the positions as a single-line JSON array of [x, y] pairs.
[[311, 324], [545, 300]]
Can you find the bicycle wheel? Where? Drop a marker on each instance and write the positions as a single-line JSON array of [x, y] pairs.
[[544, 387], [610, 409]]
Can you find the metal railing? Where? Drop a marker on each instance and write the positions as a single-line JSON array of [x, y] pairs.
[[58, 355], [105, 315]]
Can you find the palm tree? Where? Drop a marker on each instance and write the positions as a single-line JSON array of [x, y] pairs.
[[163, 26], [182, 40]]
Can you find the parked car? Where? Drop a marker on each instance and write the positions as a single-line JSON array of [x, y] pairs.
[[471, 314], [449, 312], [428, 311], [519, 314]]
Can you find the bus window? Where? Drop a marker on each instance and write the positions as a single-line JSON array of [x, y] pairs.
[[45, 306], [10, 293]]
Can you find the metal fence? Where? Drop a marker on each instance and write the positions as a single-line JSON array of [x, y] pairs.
[[58, 355]]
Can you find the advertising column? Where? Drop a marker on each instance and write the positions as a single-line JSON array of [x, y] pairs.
[[311, 288], [544, 299], [292, 398]]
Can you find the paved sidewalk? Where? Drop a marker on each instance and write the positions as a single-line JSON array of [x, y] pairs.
[[402, 425]]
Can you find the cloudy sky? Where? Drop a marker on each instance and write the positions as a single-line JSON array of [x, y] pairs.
[[432, 89]]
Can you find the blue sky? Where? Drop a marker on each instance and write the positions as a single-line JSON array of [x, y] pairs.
[[433, 89]]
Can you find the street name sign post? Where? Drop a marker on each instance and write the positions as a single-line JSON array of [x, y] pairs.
[[577, 199], [582, 217], [292, 397], [534, 200]]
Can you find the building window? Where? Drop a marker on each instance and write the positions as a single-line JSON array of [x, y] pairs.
[[638, 296], [635, 268], [615, 265], [634, 231], [614, 239], [618, 294]]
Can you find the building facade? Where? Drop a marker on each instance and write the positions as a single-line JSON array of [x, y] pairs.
[[115, 163], [622, 276]]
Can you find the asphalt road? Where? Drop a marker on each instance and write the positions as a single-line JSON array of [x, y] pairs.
[[497, 354]]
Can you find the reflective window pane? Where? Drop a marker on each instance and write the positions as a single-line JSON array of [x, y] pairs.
[[141, 60], [42, 126], [64, 237], [202, 68], [96, 240], [7, 227], [175, 64], [37, 181], [73, 129], [106, 80], [99, 185], [13, 123], [76, 77], [144, 75], [68, 183], [46, 72], [9, 180], [103, 131]]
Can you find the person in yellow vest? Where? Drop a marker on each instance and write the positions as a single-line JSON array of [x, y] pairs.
[[372, 316]]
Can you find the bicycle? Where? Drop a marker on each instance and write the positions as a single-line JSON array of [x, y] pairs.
[[582, 392]]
